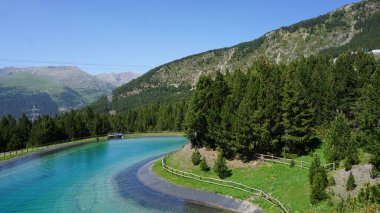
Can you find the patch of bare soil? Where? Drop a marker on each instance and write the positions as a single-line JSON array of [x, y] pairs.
[[211, 156], [362, 176]]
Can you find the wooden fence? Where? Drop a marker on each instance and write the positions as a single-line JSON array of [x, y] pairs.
[[224, 183], [287, 161]]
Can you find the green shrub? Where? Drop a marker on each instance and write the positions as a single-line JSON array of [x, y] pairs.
[[196, 157], [331, 181], [203, 165], [351, 159], [350, 185], [221, 168], [347, 165], [374, 172], [292, 163]]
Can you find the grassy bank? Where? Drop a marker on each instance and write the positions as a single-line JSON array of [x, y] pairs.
[[36, 149], [289, 185]]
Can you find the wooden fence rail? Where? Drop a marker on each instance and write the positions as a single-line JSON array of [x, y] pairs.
[[224, 183], [287, 161]]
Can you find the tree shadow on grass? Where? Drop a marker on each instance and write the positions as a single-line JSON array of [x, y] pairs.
[[315, 143]]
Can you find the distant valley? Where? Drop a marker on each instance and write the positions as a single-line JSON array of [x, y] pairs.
[[53, 89]]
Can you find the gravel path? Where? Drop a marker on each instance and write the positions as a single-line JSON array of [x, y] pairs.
[[152, 181]]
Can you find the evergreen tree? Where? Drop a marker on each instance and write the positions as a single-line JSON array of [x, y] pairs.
[[318, 192], [350, 185], [20, 134], [217, 95], [196, 118], [196, 157], [220, 167], [203, 165], [237, 84], [351, 71], [245, 138], [339, 140], [43, 131], [297, 115], [318, 181], [316, 168], [266, 119], [369, 116]]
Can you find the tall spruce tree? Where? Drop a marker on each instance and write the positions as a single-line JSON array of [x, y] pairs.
[[237, 85], [339, 142], [218, 92], [20, 134], [196, 117], [245, 138], [369, 116], [297, 114]]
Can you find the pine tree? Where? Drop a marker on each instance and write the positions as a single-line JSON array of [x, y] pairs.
[[43, 131], [369, 116], [244, 137], [317, 189], [339, 140], [316, 168], [318, 181], [196, 117], [203, 165], [196, 157], [350, 185], [220, 167], [297, 115]]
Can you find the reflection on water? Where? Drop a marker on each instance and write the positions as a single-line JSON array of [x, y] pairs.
[[90, 178], [130, 187]]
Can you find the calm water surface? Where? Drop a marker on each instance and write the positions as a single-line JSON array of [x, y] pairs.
[[97, 177]]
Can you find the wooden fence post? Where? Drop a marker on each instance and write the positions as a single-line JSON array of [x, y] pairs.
[[334, 166], [272, 158], [301, 164]]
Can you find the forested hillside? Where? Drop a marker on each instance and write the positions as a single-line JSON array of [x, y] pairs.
[[21, 133], [276, 108], [351, 27]]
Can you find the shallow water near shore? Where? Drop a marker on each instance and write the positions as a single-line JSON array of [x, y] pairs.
[[90, 178]]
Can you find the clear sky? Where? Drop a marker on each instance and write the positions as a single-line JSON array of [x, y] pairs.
[[137, 35]]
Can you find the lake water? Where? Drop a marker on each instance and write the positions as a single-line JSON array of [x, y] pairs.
[[96, 177]]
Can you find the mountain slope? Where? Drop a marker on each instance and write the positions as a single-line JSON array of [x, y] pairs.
[[350, 27], [51, 89]]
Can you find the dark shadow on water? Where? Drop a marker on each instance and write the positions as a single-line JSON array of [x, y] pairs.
[[131, 188]]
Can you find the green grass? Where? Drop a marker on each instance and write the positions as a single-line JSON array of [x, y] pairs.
[[151, 134], [289, 185], [30, 81]]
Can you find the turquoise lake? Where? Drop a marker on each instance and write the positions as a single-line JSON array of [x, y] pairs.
[[90, 178]]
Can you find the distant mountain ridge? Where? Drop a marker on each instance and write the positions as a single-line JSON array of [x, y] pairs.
[[51, 89], [354, 26], [117, 79]]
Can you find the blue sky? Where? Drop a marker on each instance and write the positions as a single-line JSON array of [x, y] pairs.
[[137, 35]]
